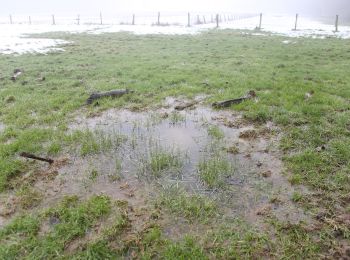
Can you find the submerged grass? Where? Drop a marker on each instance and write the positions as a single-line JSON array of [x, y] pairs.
[[214, 170], [36, 115], [159, 161], [93, 142], [215, 132]]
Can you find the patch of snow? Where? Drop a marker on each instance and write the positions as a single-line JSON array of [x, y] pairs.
[[20, 46], [149, 29], [284, 25]]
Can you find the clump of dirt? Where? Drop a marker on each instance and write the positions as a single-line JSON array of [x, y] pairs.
[[248, 134], [233, 149], [10, 99], [8, 204]]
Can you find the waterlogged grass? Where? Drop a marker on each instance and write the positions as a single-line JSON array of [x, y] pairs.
[[192, 207], [93, 142], [186, 249], [214, 170], [28, 197], [24, 237], [36, 115], [21, 238], [17, 140], [238, 240], [215, 132], [116, 175], [176, 118], [161, 160]]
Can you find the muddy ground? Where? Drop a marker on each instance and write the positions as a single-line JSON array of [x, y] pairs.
[[124, 165]]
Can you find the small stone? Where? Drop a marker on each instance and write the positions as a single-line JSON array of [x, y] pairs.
[[259, 164], [54, 221]]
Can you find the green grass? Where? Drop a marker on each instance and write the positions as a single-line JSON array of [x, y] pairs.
[[192, 207], [74, 220], [160, 161], [214, 170], [93, 142], [186, 249], [215, 132], [176, 118], [37, 115], [93, 175], [28, 197], [116, 175]]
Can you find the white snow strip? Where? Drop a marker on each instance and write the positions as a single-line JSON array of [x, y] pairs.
[[284, 25], [14, 38]]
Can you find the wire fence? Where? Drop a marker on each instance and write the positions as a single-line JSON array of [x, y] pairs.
[[257, 21], [161, 19]]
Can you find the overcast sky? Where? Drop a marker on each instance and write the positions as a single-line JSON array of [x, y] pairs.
[[321, 7]]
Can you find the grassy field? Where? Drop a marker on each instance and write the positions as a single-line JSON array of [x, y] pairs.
[[35, 115]]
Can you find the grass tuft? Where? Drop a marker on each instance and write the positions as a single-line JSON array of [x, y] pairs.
[[213, 171], [193, 207]]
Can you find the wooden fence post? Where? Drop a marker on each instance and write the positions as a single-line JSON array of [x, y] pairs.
[[188, 19], [198, 20], [260, 22], [158, 22], [53, 20], [11, 22], [133, 19], [78, 20], [336, 23], [101, 18], [217, 20], [296, 22], [30, 20], [204, 21]]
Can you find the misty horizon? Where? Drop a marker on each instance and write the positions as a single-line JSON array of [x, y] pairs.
[[108, 7]]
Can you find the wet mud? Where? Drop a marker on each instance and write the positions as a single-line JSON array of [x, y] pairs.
[[255, 188]]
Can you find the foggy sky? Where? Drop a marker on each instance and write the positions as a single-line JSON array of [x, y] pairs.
[[310, 7]]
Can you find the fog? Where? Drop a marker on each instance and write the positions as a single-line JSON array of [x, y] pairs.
[[306, 7]]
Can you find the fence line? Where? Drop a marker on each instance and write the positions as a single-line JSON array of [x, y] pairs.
[[164, 20], [159, 19]]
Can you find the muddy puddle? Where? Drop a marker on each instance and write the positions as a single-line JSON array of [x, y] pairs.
[[152, 151]]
